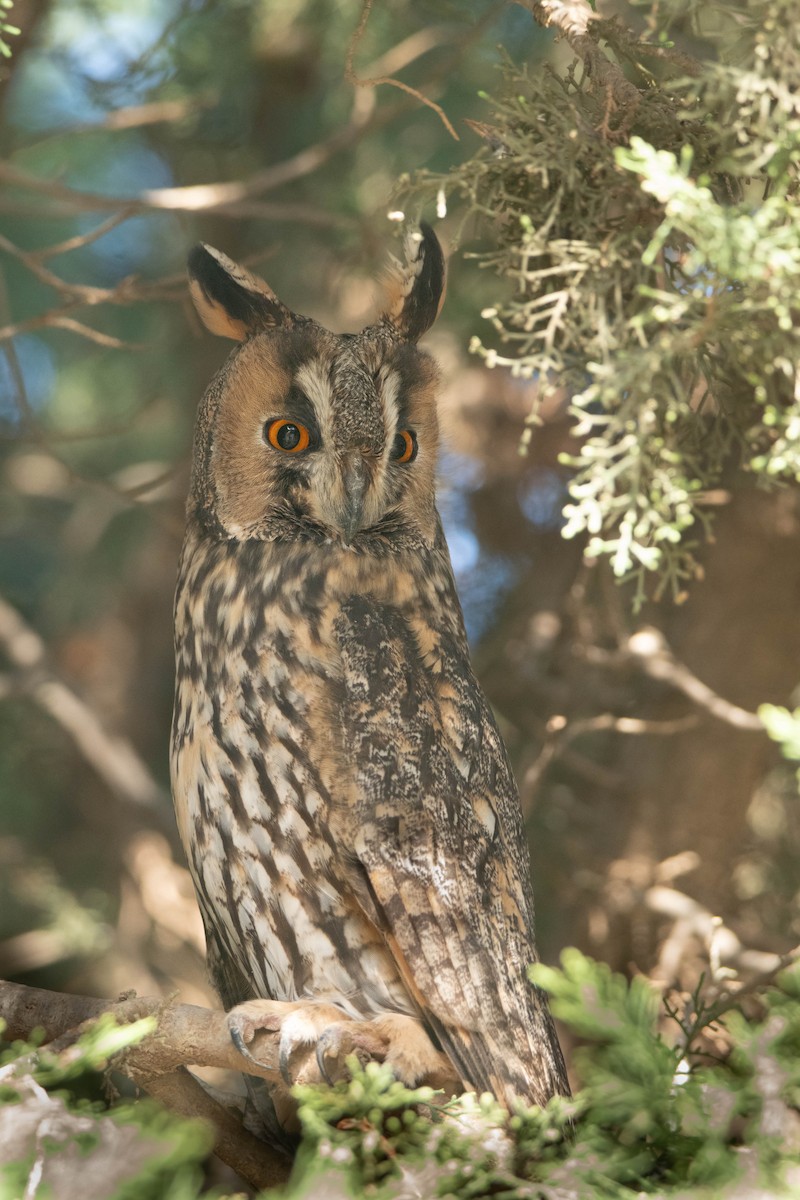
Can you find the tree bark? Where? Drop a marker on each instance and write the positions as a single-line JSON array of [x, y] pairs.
[[185, 1035]]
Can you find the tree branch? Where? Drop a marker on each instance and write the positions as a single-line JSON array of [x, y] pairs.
[[649, 650], [574, 19], [378, 79], [692, 920], [560, 733], [251, 1158], [185, 1035], [113, 758]]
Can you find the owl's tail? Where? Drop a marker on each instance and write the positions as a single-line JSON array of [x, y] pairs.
[[522, 1065]]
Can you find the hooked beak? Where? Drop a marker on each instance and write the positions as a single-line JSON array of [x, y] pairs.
[[356, 482]]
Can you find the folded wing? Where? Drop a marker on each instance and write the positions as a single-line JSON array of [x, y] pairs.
[[440, 860]]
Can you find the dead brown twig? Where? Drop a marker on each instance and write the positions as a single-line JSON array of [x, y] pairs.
[[648, 650], [560, 733], [112, 757], [377, 80]]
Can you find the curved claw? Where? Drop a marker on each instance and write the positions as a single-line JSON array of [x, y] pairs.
[[241, 1044], [322, 1046], [284, 1051]]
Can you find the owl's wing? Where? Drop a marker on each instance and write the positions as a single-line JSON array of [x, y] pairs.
[[440, 860]]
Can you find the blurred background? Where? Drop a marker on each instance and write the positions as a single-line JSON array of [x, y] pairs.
[[655, 801]]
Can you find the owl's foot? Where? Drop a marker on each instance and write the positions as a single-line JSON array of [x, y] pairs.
[[317, 1038], [300, 1023], [395, 1039]]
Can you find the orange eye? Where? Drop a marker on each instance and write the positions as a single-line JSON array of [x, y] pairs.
[[404, 448], [288, 436]]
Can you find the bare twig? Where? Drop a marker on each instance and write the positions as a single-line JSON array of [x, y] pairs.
[[20, 391], [236, 198], [84, 239], [79, 292], [376, 80], [57, 320], [693, 921], [214, 197], [134, 116], [560, 733], [412, 48], [113, 758], [648, 650]]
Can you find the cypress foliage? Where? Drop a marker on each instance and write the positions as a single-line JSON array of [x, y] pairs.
[[651, 265]]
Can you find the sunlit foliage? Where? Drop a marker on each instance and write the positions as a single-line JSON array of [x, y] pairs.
[[656, 1112], [651, 252]]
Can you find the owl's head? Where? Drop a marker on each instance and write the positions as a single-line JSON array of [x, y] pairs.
[[309, 434]]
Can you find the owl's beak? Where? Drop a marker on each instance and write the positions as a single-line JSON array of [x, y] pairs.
[[356, 482]]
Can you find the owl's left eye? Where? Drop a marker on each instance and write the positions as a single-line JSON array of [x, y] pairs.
[[289, 436], [404, 447]]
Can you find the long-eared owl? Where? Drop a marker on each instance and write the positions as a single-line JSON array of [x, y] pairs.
[[342, 792]]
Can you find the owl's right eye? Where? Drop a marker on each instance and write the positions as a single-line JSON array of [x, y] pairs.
[[289, 436]]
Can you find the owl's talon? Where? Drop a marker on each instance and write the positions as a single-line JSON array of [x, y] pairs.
[[239, 1042], [248, 1019], [333, 1046], [284, 1053], [315, 1039], [300, 1025], [321, 1064]]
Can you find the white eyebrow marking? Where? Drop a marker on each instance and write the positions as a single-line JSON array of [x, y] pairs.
[[314, 379], [388, 383]]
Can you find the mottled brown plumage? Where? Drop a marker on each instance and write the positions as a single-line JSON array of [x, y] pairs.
[[342, 791]]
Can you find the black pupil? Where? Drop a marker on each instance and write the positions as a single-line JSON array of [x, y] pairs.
[[400, 446], [287, 437]]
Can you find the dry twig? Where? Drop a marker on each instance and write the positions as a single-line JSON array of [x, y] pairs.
[[692, 921], [560, 733], [112, 757], [648, 650], [376, 80]]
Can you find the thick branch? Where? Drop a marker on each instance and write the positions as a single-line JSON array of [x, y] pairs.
[[185, 1035], [181, 1093]]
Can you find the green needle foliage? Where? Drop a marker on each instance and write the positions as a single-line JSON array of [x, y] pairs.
[[652, 1116], [652, 254], [710, 1113], [144, 1152], [783, 727], [6, 30]]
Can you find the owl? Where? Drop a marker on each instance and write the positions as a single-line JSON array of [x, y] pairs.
[[342, 792]]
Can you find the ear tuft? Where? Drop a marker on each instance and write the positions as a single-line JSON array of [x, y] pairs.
[[416, 288], [231, 301]]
